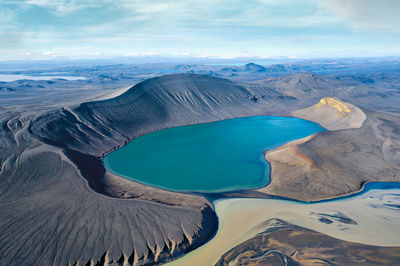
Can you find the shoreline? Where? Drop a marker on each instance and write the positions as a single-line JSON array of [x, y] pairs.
[[293, 145], [244, 191], [205, 192]]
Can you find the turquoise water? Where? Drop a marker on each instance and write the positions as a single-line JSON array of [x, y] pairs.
[[212, 157]]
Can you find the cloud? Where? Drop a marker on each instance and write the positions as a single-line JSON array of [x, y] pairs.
[[258, 13], [368, 15], [6, 15], [193, 27], [136, 54], [51, 54], [63, 7], [9, 40]]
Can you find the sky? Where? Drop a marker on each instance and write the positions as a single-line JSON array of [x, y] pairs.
[[79, 29]]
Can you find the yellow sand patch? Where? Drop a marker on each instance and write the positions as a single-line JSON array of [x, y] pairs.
[[341, 107]]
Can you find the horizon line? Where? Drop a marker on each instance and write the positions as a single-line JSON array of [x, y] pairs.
[[197, 58]]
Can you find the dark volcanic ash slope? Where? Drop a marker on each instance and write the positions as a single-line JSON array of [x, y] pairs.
[[48, 213], [154, 104], [95, 128], [49, 216]]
